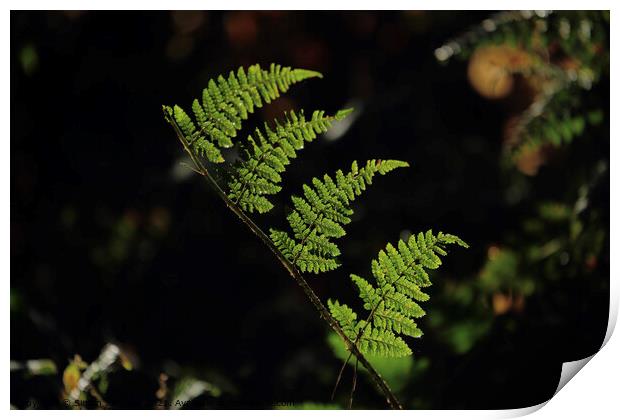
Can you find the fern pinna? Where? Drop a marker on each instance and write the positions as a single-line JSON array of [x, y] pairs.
[[228, 101], [268, 154], [400, 274], [318, 215]]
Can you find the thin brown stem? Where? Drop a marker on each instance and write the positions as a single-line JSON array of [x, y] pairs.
[[340, 376], [391, 399], [354, 384], [357, 339]]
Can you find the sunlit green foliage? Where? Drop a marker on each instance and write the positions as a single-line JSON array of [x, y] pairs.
[[320, 214], [226, 102], [400, 274], [268, 154]]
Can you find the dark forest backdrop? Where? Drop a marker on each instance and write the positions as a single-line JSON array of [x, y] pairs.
[[112, 240]]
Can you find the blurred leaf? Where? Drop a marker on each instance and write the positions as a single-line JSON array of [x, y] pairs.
[[35, 367], [29, 59], [70, 377], [103, 383], [16, 300], [595, 117], [500, 269], [462, 336], [554, 212], [189, 388], [125, 362]]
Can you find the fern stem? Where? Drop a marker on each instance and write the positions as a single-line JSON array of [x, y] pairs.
[[391, 399], [354, 384], [340, 376]]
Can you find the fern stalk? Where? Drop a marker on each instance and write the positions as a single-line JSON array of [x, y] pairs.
[[391, 399]]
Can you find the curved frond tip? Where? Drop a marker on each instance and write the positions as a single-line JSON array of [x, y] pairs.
[[227, 101], [400, 274], [320, 214]]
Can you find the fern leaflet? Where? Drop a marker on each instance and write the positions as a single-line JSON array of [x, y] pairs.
[[320, 214], [228, 101], [400, 274], [269, 153]]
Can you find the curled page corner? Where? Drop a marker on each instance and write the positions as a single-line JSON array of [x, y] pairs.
[[519, 412], [570, 369]]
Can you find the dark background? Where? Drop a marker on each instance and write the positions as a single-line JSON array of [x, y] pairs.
[[111, 242]]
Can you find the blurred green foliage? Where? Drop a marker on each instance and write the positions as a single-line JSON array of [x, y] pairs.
[[563, 54]]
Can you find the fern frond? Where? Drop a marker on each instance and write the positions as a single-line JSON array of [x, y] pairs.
[[400, 273], [228, 101], [320, 214], [268, 154]]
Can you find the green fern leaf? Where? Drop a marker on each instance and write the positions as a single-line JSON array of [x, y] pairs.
[[200, 144], [382, 343], [321, 213], [345, 317], [309, 262], [268, 154], [285, 244], [400, 274], [228, 101], [387, 319]]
